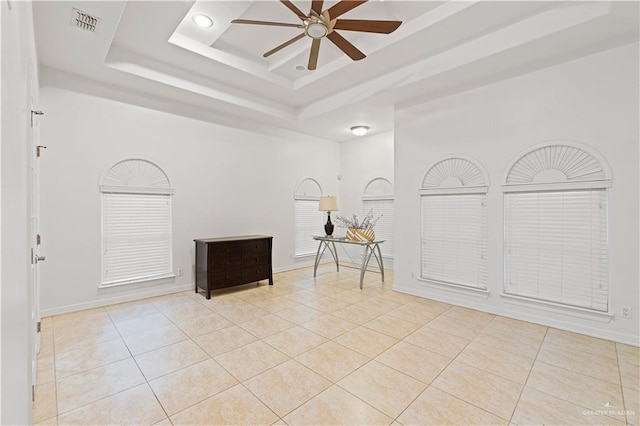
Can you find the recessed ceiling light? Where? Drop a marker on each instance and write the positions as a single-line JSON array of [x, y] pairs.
[[300, 68], [360, 130], [202, 20]]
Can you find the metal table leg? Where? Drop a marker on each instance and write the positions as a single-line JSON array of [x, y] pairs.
[[332, 249], [379, 259]]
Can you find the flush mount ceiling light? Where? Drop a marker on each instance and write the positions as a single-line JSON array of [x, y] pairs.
[[360, 130], [202, 20]]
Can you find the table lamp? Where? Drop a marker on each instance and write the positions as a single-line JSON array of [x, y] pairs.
[[328, 203]]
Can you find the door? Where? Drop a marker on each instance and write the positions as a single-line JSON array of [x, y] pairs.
[[36, 240]]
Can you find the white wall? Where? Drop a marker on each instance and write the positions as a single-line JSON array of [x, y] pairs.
[[19, 80], [594, 101], [362, 160], [227, 182]]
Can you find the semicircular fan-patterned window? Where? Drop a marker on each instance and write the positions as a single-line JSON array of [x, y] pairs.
[[308, 219], [378, 187], [556, 164], [135, 174], [454, 172], [308, 187], [454, 224], [136, 223], [556, 227]]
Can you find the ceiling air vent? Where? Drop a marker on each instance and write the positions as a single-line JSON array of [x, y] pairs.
[[84, 21]]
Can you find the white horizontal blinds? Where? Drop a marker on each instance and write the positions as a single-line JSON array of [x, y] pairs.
[[556, 237], [136, 240], [454, 223], [136, 222], [556, 247], [454, 239], [385, 226], [309, 222]]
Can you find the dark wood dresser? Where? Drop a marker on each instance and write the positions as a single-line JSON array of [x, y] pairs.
[[230, 261]]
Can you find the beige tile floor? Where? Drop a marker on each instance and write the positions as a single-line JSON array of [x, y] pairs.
[[322, 351]]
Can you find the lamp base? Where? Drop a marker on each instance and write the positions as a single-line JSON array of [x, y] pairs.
[[328, 229]]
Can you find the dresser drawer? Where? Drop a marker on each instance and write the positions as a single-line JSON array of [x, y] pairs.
[[225, 278], [255, 260], [225, 263], [255, 247], [225, 250], [255, 273]]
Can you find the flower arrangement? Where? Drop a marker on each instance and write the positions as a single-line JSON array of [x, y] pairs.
[[359, 230]]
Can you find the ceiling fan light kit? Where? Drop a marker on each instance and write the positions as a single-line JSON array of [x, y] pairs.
[[319, 24], [316, 30]]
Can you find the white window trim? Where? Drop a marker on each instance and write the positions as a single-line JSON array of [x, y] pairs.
[[458, 288], [304, 197], [555, 307], [473, 179], [381, 197], [560, 186], [161, 187]]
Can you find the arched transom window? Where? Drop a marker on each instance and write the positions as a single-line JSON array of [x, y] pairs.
[[556, 238], [454, 223], [136, 222]]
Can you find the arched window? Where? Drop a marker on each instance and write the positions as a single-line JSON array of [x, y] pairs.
[[454, 223], [378, 198], [136, 222], [556, 238], [308, 219]]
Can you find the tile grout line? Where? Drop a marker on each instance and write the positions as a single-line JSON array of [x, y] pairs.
[[524, 385]]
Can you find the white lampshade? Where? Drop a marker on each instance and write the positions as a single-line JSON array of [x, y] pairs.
[[328, 203]]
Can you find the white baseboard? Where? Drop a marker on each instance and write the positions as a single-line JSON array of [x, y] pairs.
[[541, 319], [117, 299]]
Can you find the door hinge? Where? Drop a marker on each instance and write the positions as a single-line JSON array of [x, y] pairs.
[[39, 326], [38, 239], [33, 393], [32, 260], [35, 113], [38, 150]]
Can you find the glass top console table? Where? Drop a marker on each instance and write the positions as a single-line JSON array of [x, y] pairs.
[[371, 248]]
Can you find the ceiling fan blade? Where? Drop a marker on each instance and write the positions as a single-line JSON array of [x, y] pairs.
[[343, 7], [344, 45], [292, 7], [313, 56], [276, 24], [283, 45], [316, 6], [367, 26]]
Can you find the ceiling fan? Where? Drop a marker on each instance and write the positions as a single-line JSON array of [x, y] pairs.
[[319, 24]]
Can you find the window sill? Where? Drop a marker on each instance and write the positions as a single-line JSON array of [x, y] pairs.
[[304, 256], [457, 288], [137, 280], [559, 308]]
